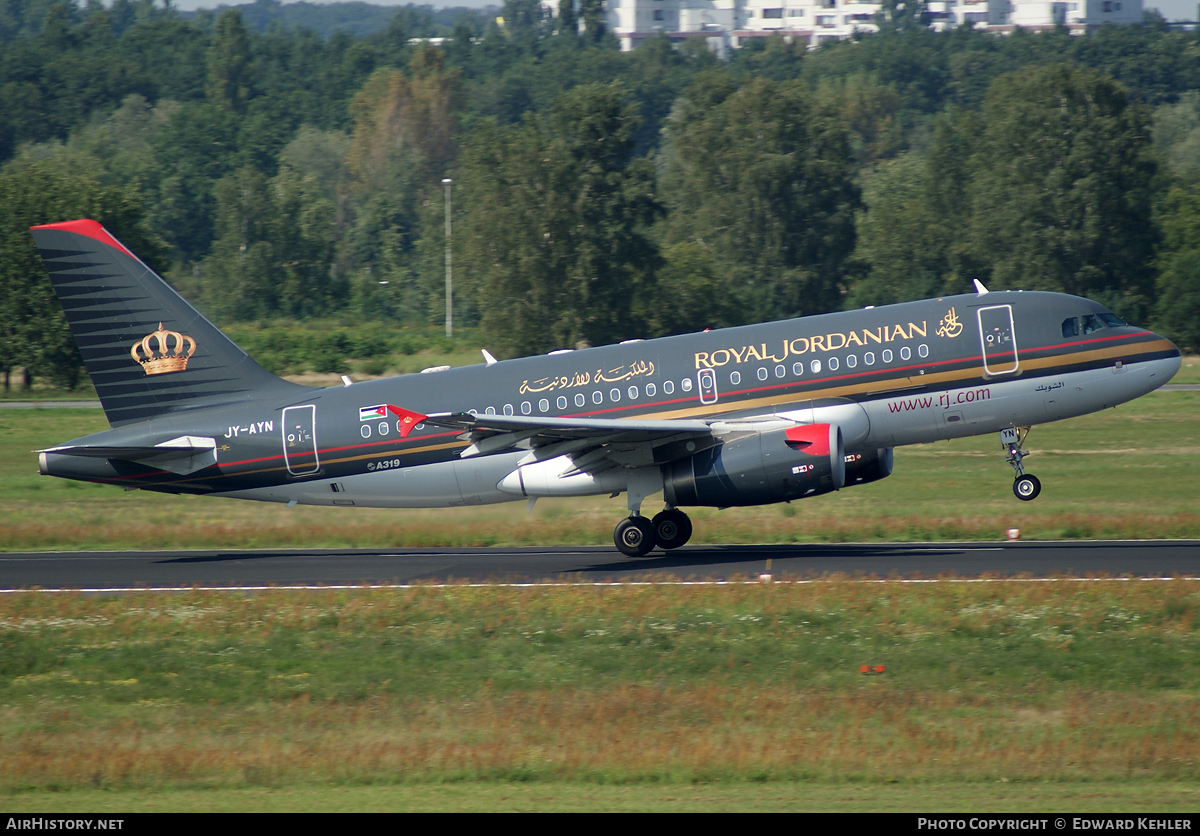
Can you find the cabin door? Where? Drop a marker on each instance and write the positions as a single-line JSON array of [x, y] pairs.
[[300, 440], [707, 379], [997, 340]]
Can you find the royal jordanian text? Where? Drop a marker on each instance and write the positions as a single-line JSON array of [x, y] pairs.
[[803, 345]]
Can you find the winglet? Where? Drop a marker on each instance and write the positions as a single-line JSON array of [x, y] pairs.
[[980, 290], [408, 419], [488, 358]]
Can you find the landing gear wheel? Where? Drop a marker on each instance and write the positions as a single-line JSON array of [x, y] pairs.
[[1027, 487], [672, 528], [634, 536]]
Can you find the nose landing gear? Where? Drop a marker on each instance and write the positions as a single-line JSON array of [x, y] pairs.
[[1025, 485]]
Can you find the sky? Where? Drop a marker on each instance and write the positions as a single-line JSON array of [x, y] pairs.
[[1171, 9]]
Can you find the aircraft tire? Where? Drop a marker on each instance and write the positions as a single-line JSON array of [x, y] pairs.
[[672, 528], [634, 536], [1027, 487]]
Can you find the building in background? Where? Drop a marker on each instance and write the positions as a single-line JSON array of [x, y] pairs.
[[726, 23]]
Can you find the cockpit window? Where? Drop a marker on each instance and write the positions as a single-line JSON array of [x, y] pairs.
[[1090, 323]]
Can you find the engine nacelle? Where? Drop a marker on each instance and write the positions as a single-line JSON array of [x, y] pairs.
[[868, 466], [760, 469]]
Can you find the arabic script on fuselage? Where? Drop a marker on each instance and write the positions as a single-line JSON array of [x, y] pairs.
[[552, 383]]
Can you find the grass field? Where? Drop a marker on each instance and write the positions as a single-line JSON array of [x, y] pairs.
[[1044, 694], [1130, 472], [1125, 796], [1067, 696]]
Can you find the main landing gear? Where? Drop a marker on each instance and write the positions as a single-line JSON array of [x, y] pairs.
[[1026, 486], [635, 535]]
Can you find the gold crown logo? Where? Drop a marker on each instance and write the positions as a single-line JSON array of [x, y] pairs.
[[168, 356]]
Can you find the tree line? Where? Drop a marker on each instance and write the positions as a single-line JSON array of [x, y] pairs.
[[598, 195]]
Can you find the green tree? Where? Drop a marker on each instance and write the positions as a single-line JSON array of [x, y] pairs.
[[567, 24], [762, 179], [230, 71], [1178, 313], [403, 143], [902, 15], [688, 295], [33, 329], [1177, 135], [900, 238], [914, 237], [555, 225], [243, 274], [592, 14], [1065, 177]]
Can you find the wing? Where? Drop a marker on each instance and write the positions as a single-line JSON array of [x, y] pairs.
[[594, 444]]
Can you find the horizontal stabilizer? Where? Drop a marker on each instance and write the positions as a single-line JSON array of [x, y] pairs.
[[183, 455]]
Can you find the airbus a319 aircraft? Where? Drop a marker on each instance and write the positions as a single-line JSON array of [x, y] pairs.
[[739, 416]]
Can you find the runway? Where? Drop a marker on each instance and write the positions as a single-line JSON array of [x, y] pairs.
[[591, 564]]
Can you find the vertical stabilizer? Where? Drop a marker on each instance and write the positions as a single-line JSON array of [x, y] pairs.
[[147, 350]]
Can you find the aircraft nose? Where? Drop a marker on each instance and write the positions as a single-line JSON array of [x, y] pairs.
[[1177, 356], [1168, 364]]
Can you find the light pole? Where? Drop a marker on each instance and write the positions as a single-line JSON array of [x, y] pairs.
[[449, 274]]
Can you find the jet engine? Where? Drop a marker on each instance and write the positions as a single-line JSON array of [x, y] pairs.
[[760, 469], [868, 466]]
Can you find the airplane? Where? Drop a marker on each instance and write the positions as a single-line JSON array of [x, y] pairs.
[[740, 416]]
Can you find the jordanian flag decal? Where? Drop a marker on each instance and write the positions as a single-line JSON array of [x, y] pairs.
[[408, 419]]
